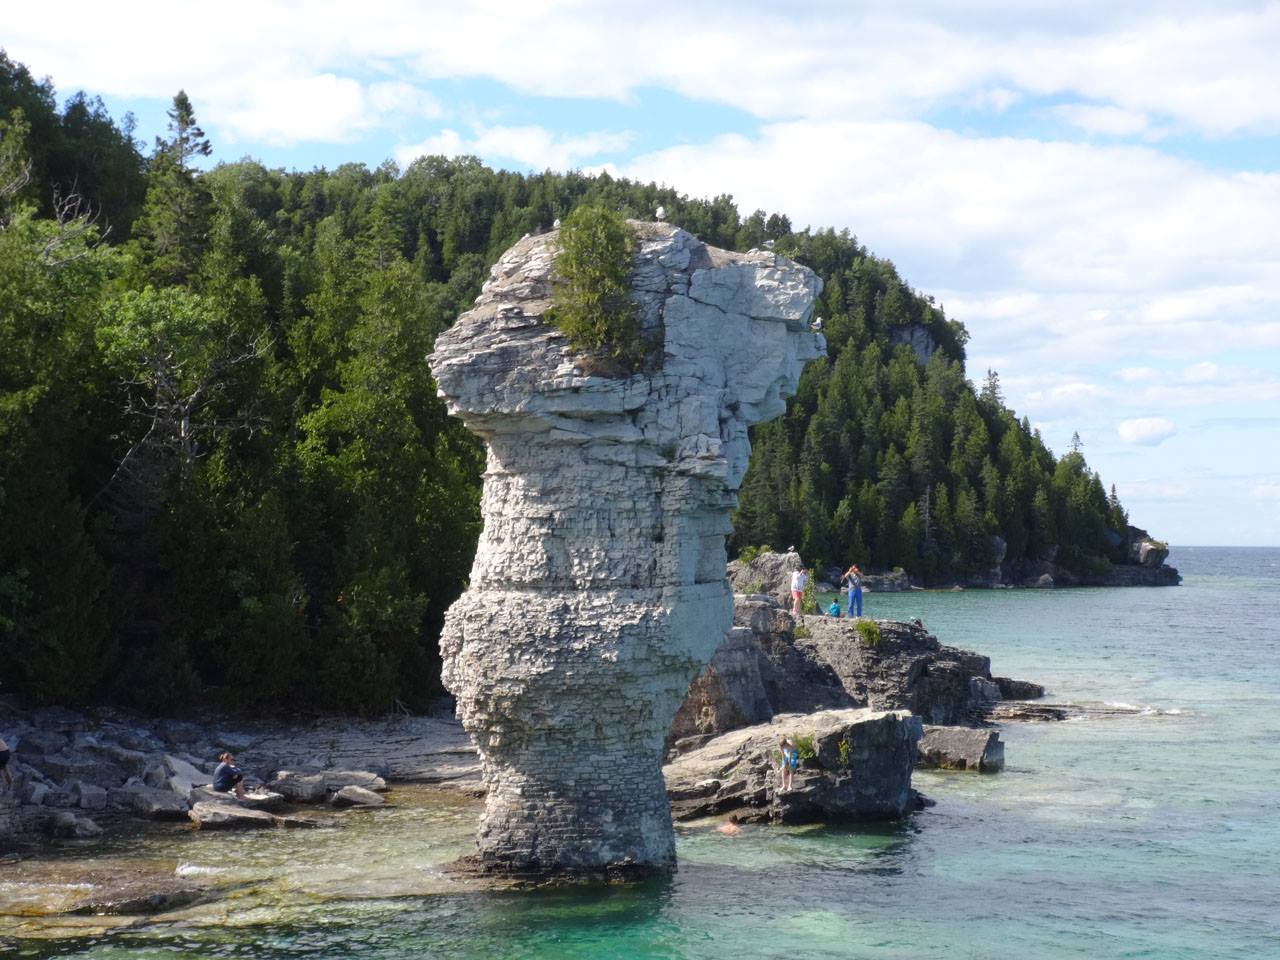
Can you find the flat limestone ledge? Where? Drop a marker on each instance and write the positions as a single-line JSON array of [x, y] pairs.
[[961, 748], [860, 769]]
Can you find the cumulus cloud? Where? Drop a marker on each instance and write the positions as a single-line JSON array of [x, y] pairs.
[[1146, 431], [1209, 69], [530, 147]]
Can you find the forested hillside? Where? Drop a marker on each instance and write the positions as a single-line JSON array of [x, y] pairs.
[[224, 472]]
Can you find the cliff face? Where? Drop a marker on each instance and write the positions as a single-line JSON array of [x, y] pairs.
[[598, 590]]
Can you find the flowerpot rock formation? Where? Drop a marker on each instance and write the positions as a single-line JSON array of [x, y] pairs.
[[598, 590]]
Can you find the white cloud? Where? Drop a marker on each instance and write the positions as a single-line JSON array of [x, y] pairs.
[[1146, 431], [1265, 491], [1110, 121], [1138, 374], [1207, 68], [531, 147]]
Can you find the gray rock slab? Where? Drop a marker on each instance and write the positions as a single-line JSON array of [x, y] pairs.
[[962, 748], [229, 816], [253, 799]]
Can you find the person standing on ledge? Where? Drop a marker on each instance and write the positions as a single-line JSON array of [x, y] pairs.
[[790, 760], [852, 581], [798, 579], [228, 776]]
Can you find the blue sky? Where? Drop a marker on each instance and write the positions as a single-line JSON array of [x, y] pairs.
[[1092, 188]]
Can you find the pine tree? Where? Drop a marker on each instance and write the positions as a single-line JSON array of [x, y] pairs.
[[171, 231]]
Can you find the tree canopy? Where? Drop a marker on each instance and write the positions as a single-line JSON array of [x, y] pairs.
[[224, 470]]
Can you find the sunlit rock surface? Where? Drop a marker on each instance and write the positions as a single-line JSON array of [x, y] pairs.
[[598, 589]]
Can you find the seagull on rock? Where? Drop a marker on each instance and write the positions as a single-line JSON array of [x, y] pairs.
[[816, 326], [660, 214]]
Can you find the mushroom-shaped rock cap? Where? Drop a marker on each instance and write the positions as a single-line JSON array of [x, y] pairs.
[[734, 334]]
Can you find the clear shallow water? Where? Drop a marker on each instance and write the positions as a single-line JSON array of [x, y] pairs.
[[1153, 835]]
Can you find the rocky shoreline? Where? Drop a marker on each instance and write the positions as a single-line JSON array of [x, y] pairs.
[[1144, 566], [78, 773]]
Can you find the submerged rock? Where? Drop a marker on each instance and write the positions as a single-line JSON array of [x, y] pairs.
[[856, 765], [598, 590], [353, 796]]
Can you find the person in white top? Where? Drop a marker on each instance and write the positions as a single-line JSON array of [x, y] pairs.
[[798, 580]]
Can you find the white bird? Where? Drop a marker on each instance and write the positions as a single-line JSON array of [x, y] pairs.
[[816, 326], [768, 244], [660, 214], [555, 225]]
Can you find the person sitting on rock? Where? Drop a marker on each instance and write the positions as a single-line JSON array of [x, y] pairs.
[[227, 776], [798, 580], [833, 610], [4, 763], [790, 760]]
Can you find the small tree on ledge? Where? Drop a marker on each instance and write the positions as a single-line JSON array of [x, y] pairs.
[[591, 291]]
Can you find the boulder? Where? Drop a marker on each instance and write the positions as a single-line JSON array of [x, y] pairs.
[[89, 796], [1018, 689], [151, 803], [40, 743], [856, 766], [768, 573], [66, 767], [182, 775], [1044, 582], [68, 825], [229, 816], [895, 581], [315, 787], [353, 796], [961, 748]]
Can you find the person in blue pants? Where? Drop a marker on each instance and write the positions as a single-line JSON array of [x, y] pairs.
[[852, 582]]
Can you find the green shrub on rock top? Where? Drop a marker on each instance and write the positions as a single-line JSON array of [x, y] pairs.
[[869, 631], [591, 291]]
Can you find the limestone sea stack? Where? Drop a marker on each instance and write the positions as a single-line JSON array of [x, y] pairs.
[[598, 590]]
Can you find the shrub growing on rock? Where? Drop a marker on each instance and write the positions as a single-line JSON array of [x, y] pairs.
[[869, 631], [591, 292]]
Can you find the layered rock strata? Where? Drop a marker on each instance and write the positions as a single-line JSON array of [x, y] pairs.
[[598, 590]]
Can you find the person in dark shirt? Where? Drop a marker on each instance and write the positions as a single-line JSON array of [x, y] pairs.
[[227, 776]]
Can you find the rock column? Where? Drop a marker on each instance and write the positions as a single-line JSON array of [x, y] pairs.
[[598, 590]]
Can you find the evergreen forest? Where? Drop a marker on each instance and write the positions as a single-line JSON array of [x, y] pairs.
[[225, 475]]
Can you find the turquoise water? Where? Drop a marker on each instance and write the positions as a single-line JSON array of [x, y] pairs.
[[1151, 834]]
